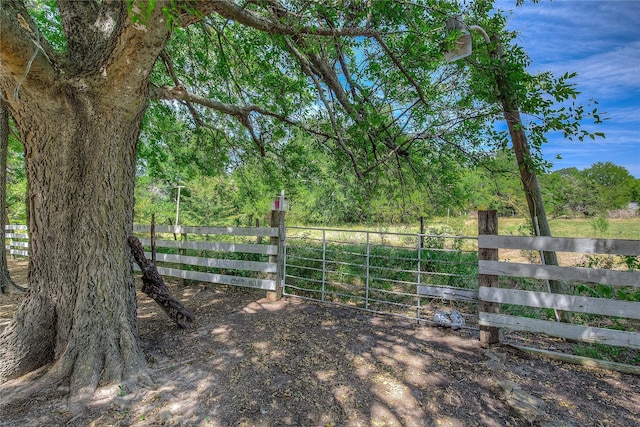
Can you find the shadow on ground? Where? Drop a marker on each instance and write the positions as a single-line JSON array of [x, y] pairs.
[[249, 362]]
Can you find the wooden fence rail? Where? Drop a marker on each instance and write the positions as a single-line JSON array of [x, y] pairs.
[[214, 250], [210, 255], [16, 239], [225, 271], [492, 296]]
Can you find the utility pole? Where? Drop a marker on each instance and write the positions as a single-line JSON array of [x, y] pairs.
[[519, 140], [528, 177], [178, 203]]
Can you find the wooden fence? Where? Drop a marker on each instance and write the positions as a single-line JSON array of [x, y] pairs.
[[239, 257], [491, 296], [202, 254], [17, 239], [205, 254]]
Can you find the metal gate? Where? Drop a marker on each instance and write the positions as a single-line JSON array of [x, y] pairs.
[[404, 274]]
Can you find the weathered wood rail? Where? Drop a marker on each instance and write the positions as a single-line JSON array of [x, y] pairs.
[[491, 296], [173, 264], [269, 268], [17, 239], [198, 253]]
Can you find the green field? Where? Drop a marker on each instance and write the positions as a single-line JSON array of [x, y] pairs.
[[615, 228], [626, 228]]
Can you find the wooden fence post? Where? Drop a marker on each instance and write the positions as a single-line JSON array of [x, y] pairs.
[[488, 224], [183, 252], [277, 220], [258, 238]]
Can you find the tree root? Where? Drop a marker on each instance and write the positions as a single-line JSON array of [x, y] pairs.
[[26, 386], [8, 286], [46, 381], [84, 387]]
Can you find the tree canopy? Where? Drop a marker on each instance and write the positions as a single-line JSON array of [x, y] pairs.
[[325, 91], [374, 100]]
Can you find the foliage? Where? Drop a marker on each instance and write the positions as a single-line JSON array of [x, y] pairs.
[[598, 261], [594, 190], [16, 180], [609, 292], [632, 262], [364, 129], [495, 185], [605, 291], [616, 185], [211, 202], [607, 352], [569, 193], [153, 197], [600, 225], [360, 129]]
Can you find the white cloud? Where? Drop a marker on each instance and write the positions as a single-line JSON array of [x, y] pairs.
[[629, 115], [609, 74], [600, 40]]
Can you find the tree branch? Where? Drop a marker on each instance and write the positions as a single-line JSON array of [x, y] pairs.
[[404, 71], [135, 50], [240, 113], [25, 56], [168, 65], [79, 23], [230, 10], [154, 286]]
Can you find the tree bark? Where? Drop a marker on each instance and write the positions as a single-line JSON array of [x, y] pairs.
[[81, 311], [528, 177], [79, 115], [155, 288]]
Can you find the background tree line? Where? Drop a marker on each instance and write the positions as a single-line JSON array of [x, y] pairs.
[[324, 191]]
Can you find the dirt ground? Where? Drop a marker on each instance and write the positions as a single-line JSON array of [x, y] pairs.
[[249, 362]]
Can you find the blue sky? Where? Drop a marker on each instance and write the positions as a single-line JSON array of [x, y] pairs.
[[600, 40]]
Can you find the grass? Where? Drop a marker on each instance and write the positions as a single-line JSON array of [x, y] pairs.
[[608, 352], [625, 228], [618, 228], [385, 275]]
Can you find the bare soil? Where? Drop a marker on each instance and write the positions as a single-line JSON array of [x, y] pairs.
[[249, 362]]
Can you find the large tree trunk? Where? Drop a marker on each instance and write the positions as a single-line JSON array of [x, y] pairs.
[[79, 114], [81, 308]]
